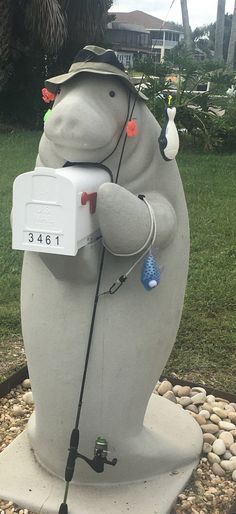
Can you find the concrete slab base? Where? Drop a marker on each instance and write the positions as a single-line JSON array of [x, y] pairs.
[[25, 482]]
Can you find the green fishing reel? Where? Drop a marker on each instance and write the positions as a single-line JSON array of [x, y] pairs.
[[100, 456], [101, 447]]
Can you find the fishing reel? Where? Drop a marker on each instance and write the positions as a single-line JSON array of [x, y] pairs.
[[100, 456], [97, 463]]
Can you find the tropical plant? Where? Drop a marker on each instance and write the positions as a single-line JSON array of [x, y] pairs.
[[86, 23], [42, 20], [198, 113], [5, 35], [205, 37], [40, 38]]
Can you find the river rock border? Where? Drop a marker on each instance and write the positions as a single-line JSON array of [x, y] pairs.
[[217, 420], [212, 489]]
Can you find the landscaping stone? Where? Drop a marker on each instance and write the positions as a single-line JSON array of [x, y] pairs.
[[199, 398], [200, 419], [227, 455], [215, 419], [26, 384], [207, 448], [184, 401], [227, 465], [212, 457], [184, 391], [220, 412], [207, 406], [218, 447], [192, 408], [209, 438], [232, 416], [218, 470], [210, 427], [169, 395], [205, 413], [210, 398], [227, 438], [164, 387], [225, 425], [214, 481], [28, 398], [233, 448]]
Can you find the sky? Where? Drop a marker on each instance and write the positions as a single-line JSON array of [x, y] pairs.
[[201, 12]]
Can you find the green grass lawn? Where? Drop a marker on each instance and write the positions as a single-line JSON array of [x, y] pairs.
[[206, 342], [17, 154]]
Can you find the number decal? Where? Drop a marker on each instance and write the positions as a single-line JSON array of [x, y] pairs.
[[40, 239]]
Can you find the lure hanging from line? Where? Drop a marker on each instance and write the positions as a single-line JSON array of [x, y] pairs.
[[150, 273], [169, 137]]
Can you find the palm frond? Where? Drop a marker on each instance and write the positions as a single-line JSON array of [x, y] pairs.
[[5, 39], [46, 20], [85, 17]]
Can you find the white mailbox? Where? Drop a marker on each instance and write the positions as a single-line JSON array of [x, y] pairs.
[[54, 210]]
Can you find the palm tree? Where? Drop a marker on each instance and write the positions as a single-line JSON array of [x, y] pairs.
[[50, 24], [219, 35], [187, 29], [232, 41], [40, 38], [42, 19], [5, 35], [86, 23]]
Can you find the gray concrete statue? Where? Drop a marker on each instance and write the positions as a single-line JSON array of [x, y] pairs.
[[156, 444]]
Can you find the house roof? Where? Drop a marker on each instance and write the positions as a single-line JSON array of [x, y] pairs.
[[144, 19]]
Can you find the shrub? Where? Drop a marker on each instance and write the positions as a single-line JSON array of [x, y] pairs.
[[198, 114]]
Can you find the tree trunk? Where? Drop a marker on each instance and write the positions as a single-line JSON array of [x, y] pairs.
[[232, 41], [187, 29], [220, 25], [5, 39]]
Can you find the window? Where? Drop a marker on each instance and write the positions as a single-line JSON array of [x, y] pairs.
[[126, 59], [171, 36], [157, 34]]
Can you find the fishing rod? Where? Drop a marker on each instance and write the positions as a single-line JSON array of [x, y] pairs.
[[99, 460]]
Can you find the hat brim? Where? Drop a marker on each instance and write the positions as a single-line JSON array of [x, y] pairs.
[[95, 68]]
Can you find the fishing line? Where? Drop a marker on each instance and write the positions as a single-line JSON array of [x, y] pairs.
[[168, 12], [123, 128], [144, 249], [99, 460]]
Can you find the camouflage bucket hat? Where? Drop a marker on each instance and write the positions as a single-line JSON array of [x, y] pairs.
[[93, 59]]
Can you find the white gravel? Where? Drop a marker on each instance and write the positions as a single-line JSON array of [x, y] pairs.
[[212, 489]]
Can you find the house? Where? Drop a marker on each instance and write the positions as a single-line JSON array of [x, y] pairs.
[[138, 34]]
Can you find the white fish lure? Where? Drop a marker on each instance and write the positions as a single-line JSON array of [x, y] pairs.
[[169, 137]]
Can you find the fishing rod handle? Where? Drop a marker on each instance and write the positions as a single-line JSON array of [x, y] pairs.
[[63, 508], [70, 465]]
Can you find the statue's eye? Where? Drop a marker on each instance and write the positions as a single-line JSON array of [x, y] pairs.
[[112, 94]]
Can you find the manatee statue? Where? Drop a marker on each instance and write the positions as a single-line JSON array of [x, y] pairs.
[[156, 444]]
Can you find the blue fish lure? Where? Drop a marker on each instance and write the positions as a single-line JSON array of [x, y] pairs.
[[150, 273]]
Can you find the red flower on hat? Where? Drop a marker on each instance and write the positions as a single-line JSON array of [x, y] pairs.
[[47, 96]]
